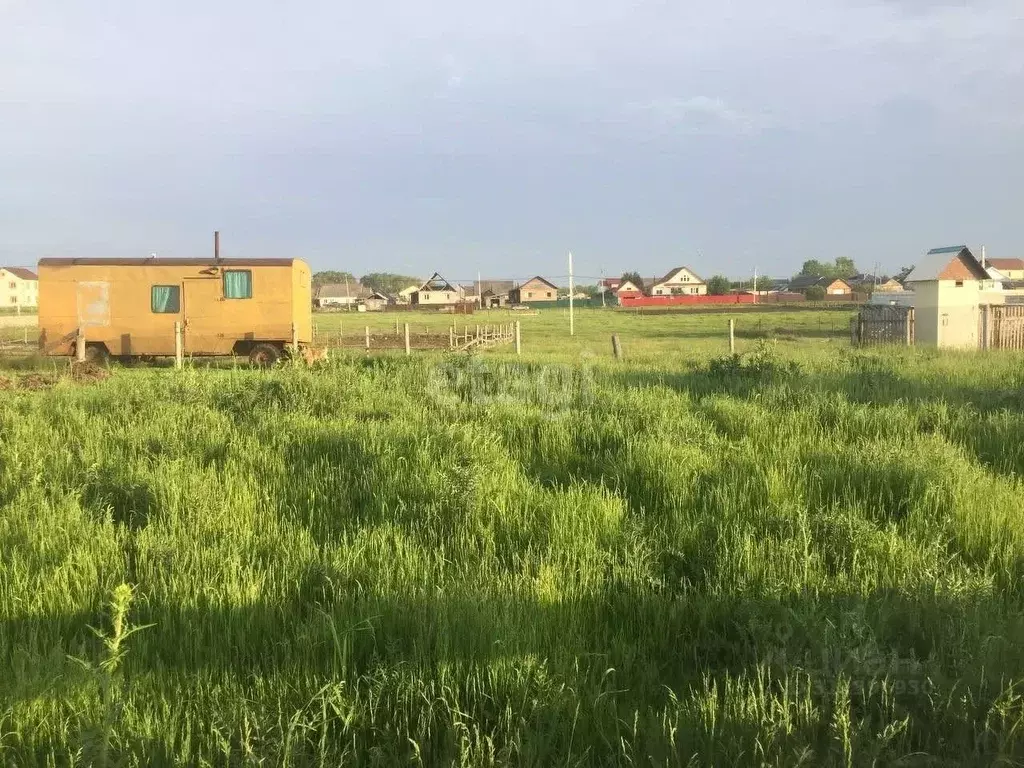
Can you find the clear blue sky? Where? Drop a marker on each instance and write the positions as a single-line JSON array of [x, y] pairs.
[[459, 136]]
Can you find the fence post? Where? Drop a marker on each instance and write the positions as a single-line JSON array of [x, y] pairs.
[[451, 336], [616, 346], [177, 345], [860, 328], [367, 338], [407, 349], [909, 320], [396, 326], [519, 340], [80, 346], [732, 336]]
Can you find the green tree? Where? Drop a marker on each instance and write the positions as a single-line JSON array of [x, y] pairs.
[[719, 285], [816, 268], [388, 282], [330, 277], [842, 267], [815, 293]]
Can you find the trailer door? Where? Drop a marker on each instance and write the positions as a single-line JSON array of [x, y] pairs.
[[203, 308]]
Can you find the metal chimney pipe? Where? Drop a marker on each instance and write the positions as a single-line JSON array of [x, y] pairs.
[[216, 245], [984, 265]]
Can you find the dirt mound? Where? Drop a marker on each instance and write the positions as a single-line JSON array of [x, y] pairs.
[[82, 373], [89, 372]]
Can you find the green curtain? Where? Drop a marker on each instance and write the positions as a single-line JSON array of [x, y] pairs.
[[238, 284], [165, 298]]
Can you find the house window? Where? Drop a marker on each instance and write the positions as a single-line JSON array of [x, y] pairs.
[[426, 297], [959, 283], [693, 290], [686, 278], [237, 284], [165, 299], [549, 294], [14, 299], [13, 284], [677, 291], [529, 294], [448, 296]]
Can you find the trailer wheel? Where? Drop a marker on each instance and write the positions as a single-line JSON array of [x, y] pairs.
[[264, 355]]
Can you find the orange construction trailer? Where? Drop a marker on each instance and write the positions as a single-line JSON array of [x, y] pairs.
[[129, 308]]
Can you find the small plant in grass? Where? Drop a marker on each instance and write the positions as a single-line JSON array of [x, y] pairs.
[[762, 364], [106, 670]]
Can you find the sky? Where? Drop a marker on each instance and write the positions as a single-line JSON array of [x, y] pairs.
[[465, 137]]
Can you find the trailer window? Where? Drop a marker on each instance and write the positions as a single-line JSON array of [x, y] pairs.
[[165, 299], [238, 284]]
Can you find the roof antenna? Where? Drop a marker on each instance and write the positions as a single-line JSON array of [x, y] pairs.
[[216, 245]]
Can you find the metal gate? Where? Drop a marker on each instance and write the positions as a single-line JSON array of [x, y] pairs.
[[880, 324]]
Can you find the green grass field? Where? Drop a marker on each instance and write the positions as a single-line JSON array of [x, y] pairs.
[[808, 555]]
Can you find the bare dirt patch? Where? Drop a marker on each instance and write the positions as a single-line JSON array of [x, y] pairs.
[[81, 373]]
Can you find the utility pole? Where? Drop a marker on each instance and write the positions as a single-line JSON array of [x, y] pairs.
[[603, 287], [479, 292], [755, 285], [348, 297], [572, 326]]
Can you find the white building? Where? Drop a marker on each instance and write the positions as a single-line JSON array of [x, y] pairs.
[[19, 287]]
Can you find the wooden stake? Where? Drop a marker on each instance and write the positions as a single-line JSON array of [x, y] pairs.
[[519, 340], [616, 346], [80, 346], [732, 336], [408, 350], [367, 338], [178, 346]]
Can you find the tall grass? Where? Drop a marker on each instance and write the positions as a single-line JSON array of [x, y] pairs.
[[484, 561]]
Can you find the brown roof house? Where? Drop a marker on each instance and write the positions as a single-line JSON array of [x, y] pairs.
[[341, 294], [1013, 269], [533, 291], [834, 286], [495, 293], [947, 284], [681, 281], [19, 287]]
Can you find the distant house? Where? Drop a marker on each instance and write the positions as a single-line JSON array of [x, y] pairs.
[[889, 285], [534, 290], [378, 301], [1013, 269], [681, 281], [495, 293], [437, 292], [470, 293], [19, 287], [833, 286], [628, 290], [404, 296], [609, 284], [341, 294], [947, 284]]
